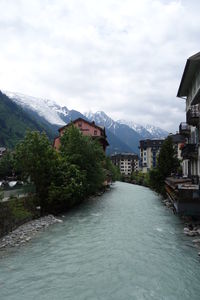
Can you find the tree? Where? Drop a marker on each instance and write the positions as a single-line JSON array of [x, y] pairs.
[[37, 159], [67, 187], [112, 169], [6, 165], [167, 164], [140, 178], [85, 153]]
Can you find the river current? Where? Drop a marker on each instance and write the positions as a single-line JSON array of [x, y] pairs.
[[121, 246]]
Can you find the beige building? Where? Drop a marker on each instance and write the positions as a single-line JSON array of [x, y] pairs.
[[126, 162], [149, 150]]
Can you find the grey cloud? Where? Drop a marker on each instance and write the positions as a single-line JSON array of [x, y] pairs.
[[123, 57]]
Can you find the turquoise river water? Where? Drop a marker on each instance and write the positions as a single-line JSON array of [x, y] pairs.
[[121, 246]]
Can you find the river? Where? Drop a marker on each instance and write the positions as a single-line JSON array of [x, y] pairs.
[[121, 246]]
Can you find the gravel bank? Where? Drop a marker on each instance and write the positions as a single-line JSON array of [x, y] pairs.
[[27, 231]]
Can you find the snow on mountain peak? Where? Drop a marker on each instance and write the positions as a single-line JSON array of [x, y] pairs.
[[55, 114], [147, 131], [100, 118], [46, 108]]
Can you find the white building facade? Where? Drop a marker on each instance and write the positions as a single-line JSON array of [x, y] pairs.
[[126, 162], [189, 90]]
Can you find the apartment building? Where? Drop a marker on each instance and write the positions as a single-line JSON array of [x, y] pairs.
[[189, 90], [149, 150], [184, 192], [126, 162]]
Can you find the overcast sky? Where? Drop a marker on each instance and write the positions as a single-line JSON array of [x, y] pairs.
[[124, 57]]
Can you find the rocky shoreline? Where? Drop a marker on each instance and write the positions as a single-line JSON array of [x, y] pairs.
[[191, 226], [192, 229], [27, 231]]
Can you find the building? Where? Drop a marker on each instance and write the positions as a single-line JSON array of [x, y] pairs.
[[88, 129], [149, 150], [189, 90], [184, 192], [126, 162]]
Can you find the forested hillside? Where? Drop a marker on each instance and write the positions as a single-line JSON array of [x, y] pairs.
[[14, 122]]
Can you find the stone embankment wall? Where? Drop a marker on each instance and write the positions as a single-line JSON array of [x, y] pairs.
[[14, 213]]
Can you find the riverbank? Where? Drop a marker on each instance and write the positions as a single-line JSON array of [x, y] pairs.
[[191, 225], [123, 245], [192, 229], [27, 231]]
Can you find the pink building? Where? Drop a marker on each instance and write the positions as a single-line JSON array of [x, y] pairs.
[[87, 128]]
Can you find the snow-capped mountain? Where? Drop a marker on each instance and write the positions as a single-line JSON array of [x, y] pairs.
[[147, 131], [123, 136], [102, 119], [138, 128], [156, 132], [122, 131], [46, 108]]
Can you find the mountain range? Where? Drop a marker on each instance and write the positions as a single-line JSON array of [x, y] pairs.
[[123, 136]]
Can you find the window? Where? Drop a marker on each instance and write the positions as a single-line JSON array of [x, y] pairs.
[[79, 124], [95, 132]]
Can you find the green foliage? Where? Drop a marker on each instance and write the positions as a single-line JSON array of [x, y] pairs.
[[156, 181], [6, 165], [36, 158], [140, 178], [86, 154], [14, 122], [167, 164], [112, 170], [18, 211], [62, 178], [67, 186]]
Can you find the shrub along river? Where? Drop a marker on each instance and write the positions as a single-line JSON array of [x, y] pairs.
[[123, 245]]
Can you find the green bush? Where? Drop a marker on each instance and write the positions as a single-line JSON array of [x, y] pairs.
[[17, 209]]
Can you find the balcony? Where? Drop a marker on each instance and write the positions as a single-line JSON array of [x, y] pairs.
[[193, 115], [184, 129], [190, 151]]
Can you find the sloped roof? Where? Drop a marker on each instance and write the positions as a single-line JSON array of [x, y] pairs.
[[81, 119], [191, 67]]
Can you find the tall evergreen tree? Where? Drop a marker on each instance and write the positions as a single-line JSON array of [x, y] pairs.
[[167, 163]]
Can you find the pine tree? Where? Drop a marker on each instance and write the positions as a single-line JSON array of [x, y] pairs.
[[167, 163]]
